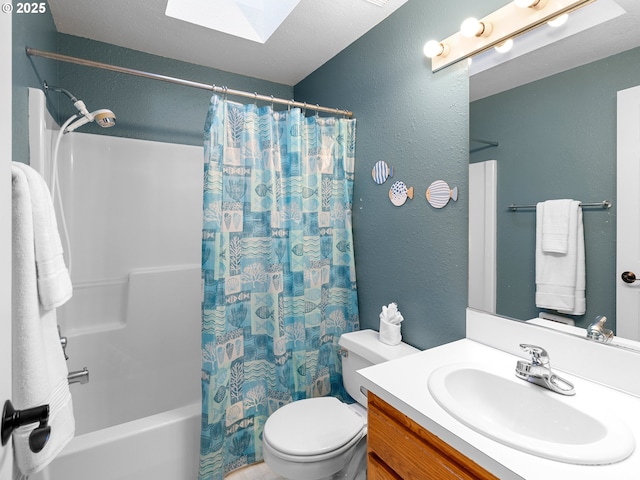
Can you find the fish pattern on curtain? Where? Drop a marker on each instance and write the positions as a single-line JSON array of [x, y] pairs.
[[278, 270]]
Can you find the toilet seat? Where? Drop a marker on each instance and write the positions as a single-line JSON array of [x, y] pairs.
[[313, 429]]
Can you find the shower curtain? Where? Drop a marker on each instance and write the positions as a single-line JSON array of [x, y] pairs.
[[278, 270]]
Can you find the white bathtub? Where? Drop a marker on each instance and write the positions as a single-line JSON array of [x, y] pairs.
[[164, 446], [134, 210]]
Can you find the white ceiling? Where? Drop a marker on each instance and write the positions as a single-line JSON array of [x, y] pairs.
[[315, 32]]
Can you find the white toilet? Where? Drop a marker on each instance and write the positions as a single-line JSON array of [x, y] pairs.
[[324, 438]]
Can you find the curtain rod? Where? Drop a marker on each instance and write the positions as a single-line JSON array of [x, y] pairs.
[[188, 83]]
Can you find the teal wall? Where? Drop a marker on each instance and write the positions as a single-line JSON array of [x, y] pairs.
[[37, 31], [146, 109], [557, 139], [417, 121]]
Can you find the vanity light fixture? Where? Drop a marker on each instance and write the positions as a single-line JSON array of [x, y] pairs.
[[515, 18]]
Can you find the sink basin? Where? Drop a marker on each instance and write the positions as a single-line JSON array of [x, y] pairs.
[[530, 418]]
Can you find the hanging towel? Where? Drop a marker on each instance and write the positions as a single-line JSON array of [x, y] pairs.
[[560, 277], [54, 282], [39, 367], [555, 226]]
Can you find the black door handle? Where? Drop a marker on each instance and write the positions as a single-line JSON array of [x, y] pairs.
[[628, 277], [12, 419]]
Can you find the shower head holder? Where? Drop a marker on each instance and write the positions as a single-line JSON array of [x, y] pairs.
[[103, 117]]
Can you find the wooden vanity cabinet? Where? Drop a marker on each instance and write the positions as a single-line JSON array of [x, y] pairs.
[[398, 448]]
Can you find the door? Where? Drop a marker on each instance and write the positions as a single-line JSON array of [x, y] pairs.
[[628, 204], [6, 457], [483, 179]]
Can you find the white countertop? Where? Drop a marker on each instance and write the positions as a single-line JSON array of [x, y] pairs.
[[403, 384]]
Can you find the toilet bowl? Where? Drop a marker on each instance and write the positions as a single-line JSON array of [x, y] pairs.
[[324, 438]]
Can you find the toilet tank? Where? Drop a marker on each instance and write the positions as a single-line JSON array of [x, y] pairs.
[[363, 349]]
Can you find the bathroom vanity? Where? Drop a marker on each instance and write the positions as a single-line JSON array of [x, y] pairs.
[[398, 448], [413, 436]]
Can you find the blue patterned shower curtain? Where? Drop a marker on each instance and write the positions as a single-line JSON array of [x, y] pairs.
[[278, 270]]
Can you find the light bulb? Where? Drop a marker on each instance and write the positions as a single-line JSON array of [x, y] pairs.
[[472, 27], [505, 46], [559, 20], [433, 48]]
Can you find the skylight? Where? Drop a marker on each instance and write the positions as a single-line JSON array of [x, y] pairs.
[[254, 20]]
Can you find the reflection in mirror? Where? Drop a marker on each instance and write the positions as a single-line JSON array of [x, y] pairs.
[[556, 136]]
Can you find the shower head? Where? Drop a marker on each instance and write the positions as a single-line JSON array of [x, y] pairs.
[[103, 117]]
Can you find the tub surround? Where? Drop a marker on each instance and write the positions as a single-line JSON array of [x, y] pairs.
[[495, 340], [134, 319]]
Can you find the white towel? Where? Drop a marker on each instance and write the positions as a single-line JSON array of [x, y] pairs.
[[560, 278], [39, 368], [54, 282], [555, 226]]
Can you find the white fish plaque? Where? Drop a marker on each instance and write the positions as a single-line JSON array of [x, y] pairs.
[[399, 193], [381, 171], [439, 193]]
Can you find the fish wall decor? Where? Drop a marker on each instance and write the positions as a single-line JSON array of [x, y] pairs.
[[381, 171], [439, 193], [399, 193]]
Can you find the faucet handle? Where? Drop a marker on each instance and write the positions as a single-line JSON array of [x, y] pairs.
[[539, 355], [598, 332], [63, 342]]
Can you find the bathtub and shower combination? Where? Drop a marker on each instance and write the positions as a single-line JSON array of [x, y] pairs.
[[133, 211]]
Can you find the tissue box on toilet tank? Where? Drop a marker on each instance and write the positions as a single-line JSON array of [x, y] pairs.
[[390, 333]]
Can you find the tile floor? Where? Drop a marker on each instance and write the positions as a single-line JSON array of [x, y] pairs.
[[259, 471]]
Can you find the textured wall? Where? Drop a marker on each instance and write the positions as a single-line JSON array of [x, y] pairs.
[[414, 119], [557, 140], [417, 121], [147, 109], [36, 31]]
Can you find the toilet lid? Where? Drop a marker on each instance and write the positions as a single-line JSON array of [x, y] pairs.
[[313, 426]]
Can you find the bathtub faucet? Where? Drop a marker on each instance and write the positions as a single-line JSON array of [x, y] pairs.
[[80, 376]]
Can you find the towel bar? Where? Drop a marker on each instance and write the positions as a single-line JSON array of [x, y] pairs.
[[604, 204]]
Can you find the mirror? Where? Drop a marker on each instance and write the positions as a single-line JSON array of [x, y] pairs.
[[552, 113]]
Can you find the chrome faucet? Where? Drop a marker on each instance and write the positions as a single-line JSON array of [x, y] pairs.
[[79, 376], [597, 331], [538, 371]]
